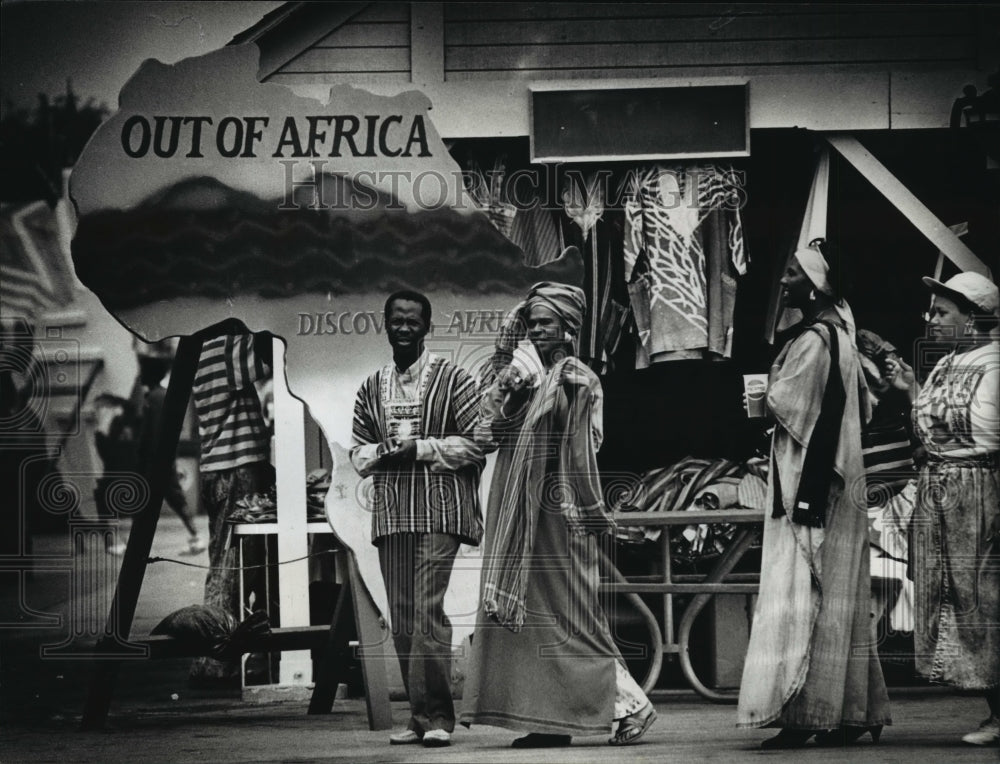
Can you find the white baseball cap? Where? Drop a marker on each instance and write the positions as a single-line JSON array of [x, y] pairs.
[[974, 287]]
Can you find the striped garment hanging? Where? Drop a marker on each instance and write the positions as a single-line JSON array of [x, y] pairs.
[[230, 419]]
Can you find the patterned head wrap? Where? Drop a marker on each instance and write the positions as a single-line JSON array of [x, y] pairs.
[[565, 301]]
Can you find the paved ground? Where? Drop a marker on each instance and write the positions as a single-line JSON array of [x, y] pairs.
[[927, 730], [41, 699]]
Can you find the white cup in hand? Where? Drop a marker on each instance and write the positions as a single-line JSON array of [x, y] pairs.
[[754, 393]]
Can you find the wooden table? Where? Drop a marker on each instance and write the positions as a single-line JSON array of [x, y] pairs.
[[353, 602]]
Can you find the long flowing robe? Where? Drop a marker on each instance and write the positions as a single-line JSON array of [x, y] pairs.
[[956, 524], [811, 662], [554, 671]]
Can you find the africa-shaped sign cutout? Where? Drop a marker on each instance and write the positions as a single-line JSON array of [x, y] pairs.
[[210, 196]]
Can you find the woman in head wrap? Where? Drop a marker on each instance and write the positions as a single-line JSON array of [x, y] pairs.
[[955, 529], [543, 658], [811, 666]]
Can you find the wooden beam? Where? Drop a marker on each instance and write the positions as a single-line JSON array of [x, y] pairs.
[[690, 517], [813, 227], [426, 43], [354, 601], [278, 640], [331, 667], [672, 588], [293, 540], [725, 56], [372, 635], [294, 33], [140, 540], [906, 202]]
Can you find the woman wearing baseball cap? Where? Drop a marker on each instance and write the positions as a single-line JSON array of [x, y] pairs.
[[956, 523]]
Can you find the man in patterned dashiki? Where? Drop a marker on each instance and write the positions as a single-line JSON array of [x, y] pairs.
[[412, 433]]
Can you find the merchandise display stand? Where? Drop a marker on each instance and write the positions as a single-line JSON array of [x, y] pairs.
[[720, 580], [115, 646]]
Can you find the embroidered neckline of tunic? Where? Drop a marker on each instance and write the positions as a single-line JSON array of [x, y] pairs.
[[391, 390]]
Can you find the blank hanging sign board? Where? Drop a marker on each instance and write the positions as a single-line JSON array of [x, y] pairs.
[[686, 122]]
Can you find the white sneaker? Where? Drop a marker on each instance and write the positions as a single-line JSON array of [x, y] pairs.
[[987, 734], [436, 739], [196, 545], [406, 737]]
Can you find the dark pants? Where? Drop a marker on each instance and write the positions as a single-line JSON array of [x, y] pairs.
[[219, 493], [174, 496], [416, 568]]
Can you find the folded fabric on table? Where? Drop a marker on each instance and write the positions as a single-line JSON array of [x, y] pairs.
[[317, 486], [669, 488], [722, 494], [752, 492], [695, 484], [256, 508]]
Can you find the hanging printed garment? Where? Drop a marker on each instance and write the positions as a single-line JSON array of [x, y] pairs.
[[529, 223], [598, 233], [486, 189], [683, 250], [538, 235]]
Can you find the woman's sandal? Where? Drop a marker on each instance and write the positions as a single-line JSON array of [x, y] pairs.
[[633, 727]]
